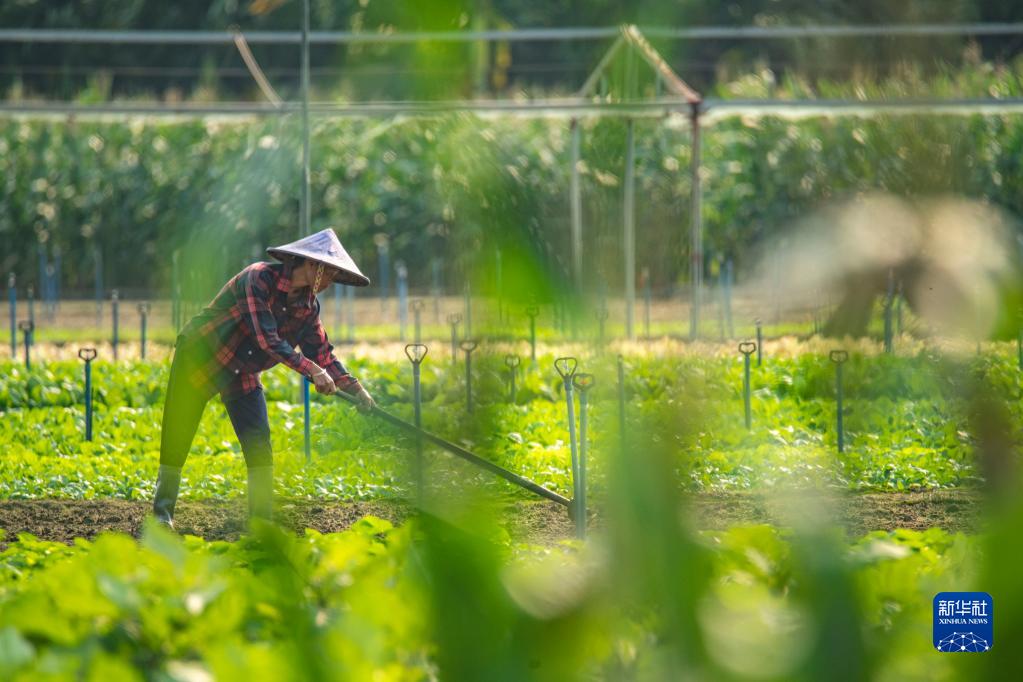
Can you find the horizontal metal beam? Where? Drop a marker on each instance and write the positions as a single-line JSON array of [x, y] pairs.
[[534, 108], [514, 35]]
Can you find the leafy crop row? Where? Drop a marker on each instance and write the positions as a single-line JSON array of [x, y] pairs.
[[907, 422]]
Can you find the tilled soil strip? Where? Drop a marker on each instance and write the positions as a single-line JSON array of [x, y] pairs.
[[534, 522]]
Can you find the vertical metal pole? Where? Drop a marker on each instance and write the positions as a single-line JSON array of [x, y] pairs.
[[566, 367], [435, 288], [31, 304], [468, 310], [98, 284], [143, 309], [305, 208], [839, 357], [760, 343], [629, 222], [402, 299], [416, 352], [512, 362], [350, 306], [26, 329], [88, 400], [12, 303], [576, 208], [695, 227], [88, 355], [580, 496], [468, 346], [114, 315], [417, 314], [417, 398], [746, 390], [305, 412]]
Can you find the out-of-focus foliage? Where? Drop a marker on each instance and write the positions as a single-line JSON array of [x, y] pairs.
[[433, 601]]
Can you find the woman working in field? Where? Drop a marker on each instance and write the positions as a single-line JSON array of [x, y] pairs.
[[254, 323]]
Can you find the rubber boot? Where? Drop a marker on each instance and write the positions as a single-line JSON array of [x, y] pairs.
[[167, 482], [261, 492]]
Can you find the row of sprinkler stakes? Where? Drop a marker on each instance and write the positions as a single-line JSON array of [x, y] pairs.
[[28, 327], [572, 381], [839, 357]]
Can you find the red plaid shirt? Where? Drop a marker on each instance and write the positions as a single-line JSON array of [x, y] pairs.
[[254, 323]]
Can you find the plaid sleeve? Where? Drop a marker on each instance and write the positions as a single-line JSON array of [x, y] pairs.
[[258, 317], [314, 344]]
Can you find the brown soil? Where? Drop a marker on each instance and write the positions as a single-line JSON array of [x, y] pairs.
[[539, 523]]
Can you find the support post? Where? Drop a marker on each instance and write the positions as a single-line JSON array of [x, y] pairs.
[[629, 228], [695, 226], [576, 208]]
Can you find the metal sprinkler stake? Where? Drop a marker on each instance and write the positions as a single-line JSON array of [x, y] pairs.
[[416, 352], [114, 297], [88, 355], [27, 327], [760, 342], [31, 294], [512, 361], [582, 383], [12, 302], [839, 357], [307, 439], [468, 346], [532, 311], [566, 369], [143, 309], [453, 320], [746, 348], [417, 309]]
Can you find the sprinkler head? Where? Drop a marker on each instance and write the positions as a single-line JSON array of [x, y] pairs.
[[454, 318], [27, 326], [468, 345], [565, 366], [144, 308], [416, 305], [87, 354], [532, 311], [583, 381], [416, 352], [747, 347], [512, 361], [838, 356]]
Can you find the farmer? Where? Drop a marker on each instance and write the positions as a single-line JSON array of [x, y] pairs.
[[255, 322]]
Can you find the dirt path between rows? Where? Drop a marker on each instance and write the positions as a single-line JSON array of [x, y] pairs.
[[534, 522]]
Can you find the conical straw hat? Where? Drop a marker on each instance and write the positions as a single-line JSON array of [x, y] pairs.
[[324, 247]]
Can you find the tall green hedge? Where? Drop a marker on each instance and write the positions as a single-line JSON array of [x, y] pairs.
[[456, 187]]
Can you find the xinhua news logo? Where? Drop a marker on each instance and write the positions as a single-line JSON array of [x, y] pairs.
[[963, 622]]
